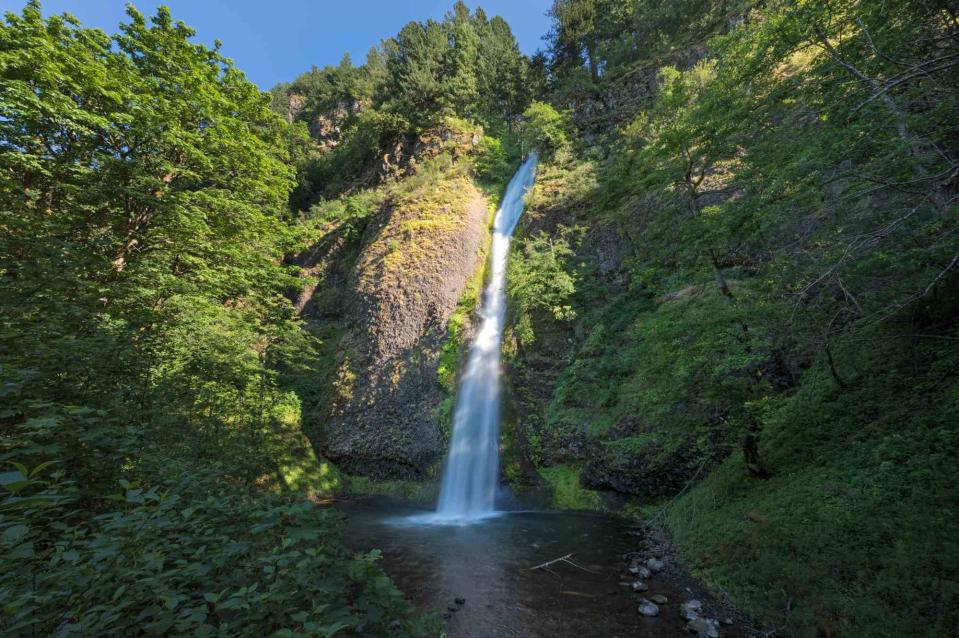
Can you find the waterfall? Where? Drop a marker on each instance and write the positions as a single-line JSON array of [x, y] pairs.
[[470, 477]]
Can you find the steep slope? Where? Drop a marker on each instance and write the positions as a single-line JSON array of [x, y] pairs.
[[391, 279], [415, 265], [759, 345]]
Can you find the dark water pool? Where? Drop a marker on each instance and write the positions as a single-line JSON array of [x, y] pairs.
[[489, 563]]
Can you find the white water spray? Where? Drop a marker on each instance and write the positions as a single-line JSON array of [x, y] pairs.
[[470, 478]]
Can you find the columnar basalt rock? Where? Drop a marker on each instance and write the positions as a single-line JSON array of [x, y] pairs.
[[414, 261]]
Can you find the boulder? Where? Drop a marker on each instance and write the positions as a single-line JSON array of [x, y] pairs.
[[690, 609], [655, 565], [703, 627], [648, 608]]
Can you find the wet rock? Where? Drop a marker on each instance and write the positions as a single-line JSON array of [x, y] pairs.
[[382, 421], [460, 601], [690, 609], [659, 599], [727, 621], [640, 570], [607, 468], [640, 586], [703, 627], [648, 608], [655, 565]]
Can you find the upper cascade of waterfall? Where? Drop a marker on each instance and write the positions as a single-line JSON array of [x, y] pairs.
[[470, 477]]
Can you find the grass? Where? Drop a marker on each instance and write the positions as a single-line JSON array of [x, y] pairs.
[[853, 534], [568, 494], [423, 493]]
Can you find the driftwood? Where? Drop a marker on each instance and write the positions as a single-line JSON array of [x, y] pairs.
[[562, 559]]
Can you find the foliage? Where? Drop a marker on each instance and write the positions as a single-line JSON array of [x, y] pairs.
[[465, 66], [544, 129], [496, 160], [860, 515], [149, 566], [539, 278], [766, 294], [568, 494], [151, 454]]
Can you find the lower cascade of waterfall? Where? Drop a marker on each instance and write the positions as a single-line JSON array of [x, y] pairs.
[[470, 478]]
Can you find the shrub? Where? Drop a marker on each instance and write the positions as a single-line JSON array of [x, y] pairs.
[[544, 129]]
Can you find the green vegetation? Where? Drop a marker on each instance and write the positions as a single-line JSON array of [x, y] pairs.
[[544, 129], [734, 293], [568, 493], [369, 119], [764, 296], [538, 278], [154, 475]]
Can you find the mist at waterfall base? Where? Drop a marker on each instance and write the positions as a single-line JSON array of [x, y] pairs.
[[468, 490]]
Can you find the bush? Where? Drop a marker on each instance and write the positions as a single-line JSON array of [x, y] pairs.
[[176, 559], [544, 129], [495, 160]]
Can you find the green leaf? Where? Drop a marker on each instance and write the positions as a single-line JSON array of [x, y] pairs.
[[14, 533], [11, 478]]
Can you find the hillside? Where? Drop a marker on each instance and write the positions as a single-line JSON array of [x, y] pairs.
[[761, 335]]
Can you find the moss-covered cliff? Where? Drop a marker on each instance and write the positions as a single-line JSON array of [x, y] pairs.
[[393, 273]]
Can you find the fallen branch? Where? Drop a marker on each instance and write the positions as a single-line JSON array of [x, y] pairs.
[[562, 559], [550, 562]]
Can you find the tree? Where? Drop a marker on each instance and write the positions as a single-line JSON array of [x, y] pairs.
[[144, 201], [544, 129], [461, 94], [416, 71]]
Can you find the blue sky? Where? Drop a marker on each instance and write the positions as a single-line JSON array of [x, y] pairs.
[[276, 40]]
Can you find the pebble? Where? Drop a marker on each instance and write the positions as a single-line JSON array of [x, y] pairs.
[[459, 601], [640, 586], [655, 565], [452, 608], [648, 608], [659, 599]]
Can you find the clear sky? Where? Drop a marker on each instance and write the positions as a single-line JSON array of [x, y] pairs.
[[276, 40]]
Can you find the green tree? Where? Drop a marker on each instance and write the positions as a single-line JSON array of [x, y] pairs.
[[143, 318], [544, 129]]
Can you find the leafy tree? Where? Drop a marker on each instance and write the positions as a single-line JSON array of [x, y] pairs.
[[143, 319], [540, 279], [544, 129]]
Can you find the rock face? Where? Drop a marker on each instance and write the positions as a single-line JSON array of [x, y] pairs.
[[412, 264]]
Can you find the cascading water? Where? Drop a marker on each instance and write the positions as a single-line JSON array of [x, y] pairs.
[[470, 477]]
